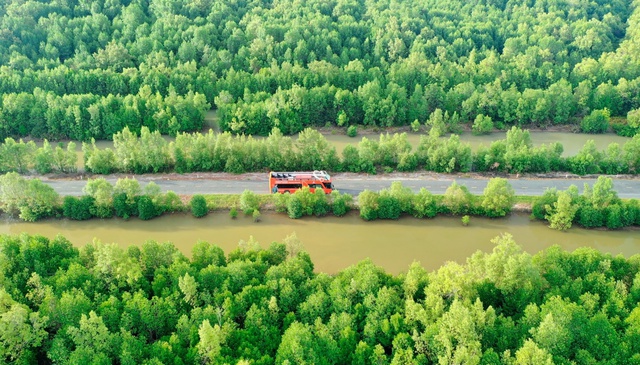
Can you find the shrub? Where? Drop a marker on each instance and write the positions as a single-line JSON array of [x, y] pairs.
[[256, 215], [77, 208], [340, 203], [424, 204], [590, 217], [482, 125], [368, 204], [199, 207], [562, 212], [249, 201], [280, 201], [540, 205], [147, 209], [123, 207], [498, 198], [415, 126], [307, 199], [465, 220], [233, 213], [102, 211], [294, 207], [170, 202], [388, 207], [631, 212], [457, 199], [614, 216], [352, 131], [596, 122], [321, 206]]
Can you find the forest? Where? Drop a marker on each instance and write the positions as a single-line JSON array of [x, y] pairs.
[[150, 304], [134, 70], [81, 70]]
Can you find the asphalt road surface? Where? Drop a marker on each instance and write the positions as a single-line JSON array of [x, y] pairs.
[[348, 183]]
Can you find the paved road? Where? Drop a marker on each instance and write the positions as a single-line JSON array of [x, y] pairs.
[[352, 184]]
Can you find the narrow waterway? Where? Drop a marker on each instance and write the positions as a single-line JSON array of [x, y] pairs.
[[336, 243]]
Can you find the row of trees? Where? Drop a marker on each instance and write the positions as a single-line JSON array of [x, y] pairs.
[[311, 151], [598, 206], [31, 200], [149, 152], [496, 201], [332, 61], [150, 304], [376, 104], [43, 114]]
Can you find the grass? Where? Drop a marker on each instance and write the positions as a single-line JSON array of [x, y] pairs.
[[228, 201], [525, 199]]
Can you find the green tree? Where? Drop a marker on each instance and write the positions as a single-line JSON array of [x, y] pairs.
[[16, 156], [199, 207], [531, 354], [212, 339], [498, 198], [43, 159], [482, 125], [92, 339], [147, 209], [249, 202], [596, 122], [562, 213], [21, 330], [437, 123], [102, 192], [457, 199], [29, 199], [129, 187]]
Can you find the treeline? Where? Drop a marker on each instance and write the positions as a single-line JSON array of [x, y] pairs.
[[332, 62], [311, 151], [149, 152], [85, 116], [598, 206], [32, 200], [150, 304], [375, 103], [496, 201]]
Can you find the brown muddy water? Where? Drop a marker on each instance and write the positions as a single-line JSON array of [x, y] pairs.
[[337, 243]]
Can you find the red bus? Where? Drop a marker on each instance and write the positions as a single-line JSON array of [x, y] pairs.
[[289, 182]]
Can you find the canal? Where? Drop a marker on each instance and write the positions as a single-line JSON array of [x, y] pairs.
[[336, 243]]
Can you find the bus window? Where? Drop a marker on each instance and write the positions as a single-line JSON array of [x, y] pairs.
[[328, 185]]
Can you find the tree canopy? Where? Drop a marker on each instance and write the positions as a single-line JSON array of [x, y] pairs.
[[150, 304], [79, 69]]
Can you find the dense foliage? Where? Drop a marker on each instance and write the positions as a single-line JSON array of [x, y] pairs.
[[150, 304], [149, 152], [31, 200], [598, 206], [86, 69], [496, 201]]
